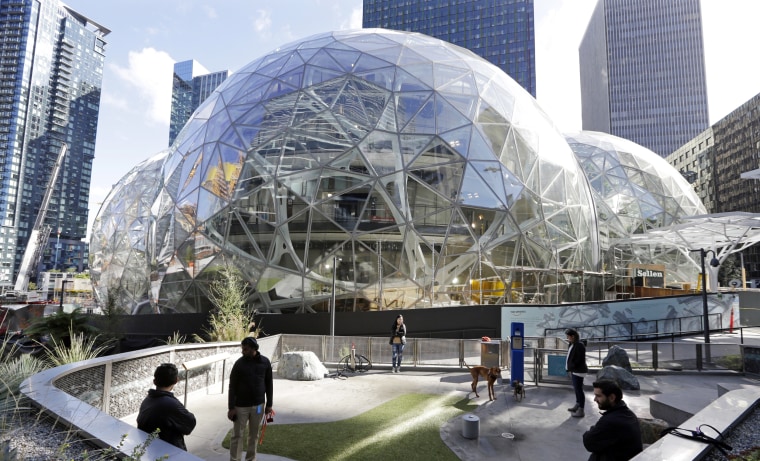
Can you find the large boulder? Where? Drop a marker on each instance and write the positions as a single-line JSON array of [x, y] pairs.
[[651, 429], [623, 377], [619, 357], [301, 366]]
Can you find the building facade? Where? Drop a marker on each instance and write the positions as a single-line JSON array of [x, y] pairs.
[[642, 72], [191, 85], [500, 31], [718, 161], [737, 151], [694, 160], [52, 69]]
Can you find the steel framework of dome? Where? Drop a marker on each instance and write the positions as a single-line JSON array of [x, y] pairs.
[[403, 170]]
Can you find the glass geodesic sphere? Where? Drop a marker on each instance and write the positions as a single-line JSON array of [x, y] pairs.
[[404, 170], [120, 247], [636, 190]]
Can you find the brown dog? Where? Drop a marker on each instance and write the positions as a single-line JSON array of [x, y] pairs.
[[489, 374]]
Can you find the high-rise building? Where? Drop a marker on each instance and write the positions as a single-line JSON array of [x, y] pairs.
[[723, 162], [501, 31], [51, 69], [642, 70], [191, 85]]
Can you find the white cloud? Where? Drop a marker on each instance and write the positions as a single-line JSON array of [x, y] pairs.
[[110, 99], [149, 72], [355, 21], [210, 12], [262, 23]]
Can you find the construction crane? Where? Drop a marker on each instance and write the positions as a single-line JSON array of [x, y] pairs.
[[38, 238]]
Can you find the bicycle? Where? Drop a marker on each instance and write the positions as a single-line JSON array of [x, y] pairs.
[[354, 363]]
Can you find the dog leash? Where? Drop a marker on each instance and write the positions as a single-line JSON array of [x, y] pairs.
[[264, 420], [700, 436]]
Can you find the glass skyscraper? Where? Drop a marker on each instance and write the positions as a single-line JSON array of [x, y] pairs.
[[642, 71], [191, 85], [501, 31], [50, 74]]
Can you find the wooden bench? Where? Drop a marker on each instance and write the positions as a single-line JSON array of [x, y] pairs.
[[204, 362]]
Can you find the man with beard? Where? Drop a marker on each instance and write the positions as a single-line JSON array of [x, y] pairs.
[[617, 435]]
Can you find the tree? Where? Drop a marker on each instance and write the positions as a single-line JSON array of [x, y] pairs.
[[230, 318], [60, 327], [730, 269]]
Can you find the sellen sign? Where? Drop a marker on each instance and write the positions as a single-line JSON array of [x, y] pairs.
[[648, 275]]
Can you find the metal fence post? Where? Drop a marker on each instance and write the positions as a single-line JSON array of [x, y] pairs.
[[699, 357], [654, 356]]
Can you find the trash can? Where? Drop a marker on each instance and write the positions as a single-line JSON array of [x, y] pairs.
[[490, 354], [470, 426]]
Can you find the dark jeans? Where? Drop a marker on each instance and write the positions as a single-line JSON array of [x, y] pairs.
[[398, 354], [580, 398]]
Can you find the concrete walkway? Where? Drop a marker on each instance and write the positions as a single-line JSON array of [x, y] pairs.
[[539, 427]]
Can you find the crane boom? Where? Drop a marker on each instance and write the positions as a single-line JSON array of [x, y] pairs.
[[38, 237]]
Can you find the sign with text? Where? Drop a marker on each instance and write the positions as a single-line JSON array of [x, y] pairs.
[[648, 275]]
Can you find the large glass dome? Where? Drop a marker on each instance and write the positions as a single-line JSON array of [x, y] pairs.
[[404, 170], [120, 243], [635, 190]]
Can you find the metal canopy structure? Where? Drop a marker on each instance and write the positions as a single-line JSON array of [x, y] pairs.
[[725, 233]]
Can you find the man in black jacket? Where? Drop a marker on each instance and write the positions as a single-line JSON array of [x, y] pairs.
[[250, 398], [617, 434], [161, 410]]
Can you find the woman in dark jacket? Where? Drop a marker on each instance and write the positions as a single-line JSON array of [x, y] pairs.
[[576, 366], [397, 342]]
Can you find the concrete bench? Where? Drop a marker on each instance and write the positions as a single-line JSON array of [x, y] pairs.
[[205, 362], [723, 413], [677, 407]]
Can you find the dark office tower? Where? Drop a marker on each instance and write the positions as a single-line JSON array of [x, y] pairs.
[[500, 31], [642, 69], [51, 68], [191, 85]]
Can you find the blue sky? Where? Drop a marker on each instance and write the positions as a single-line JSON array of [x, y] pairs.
[[148, 37]]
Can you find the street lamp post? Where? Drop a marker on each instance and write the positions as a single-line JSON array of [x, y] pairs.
[[332, 298], [63, 290], [705, 310]]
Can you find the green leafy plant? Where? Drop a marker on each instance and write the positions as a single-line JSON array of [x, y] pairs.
[[732, 362], [138, 452], [60, 326], [79, 348], [174, 339], [14, 371], [230, 318]]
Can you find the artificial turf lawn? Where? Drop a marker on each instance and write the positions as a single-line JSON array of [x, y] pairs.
[[407, 427]]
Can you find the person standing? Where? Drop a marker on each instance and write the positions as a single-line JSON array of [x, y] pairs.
[[397, 342], [250, 398], [617, 434], [163, 411], [575, 364]]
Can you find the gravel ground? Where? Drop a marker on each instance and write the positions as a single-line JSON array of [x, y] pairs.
[[743, 439], [39, 439]]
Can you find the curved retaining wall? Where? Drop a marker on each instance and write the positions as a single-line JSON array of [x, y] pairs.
[[92, 395]]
